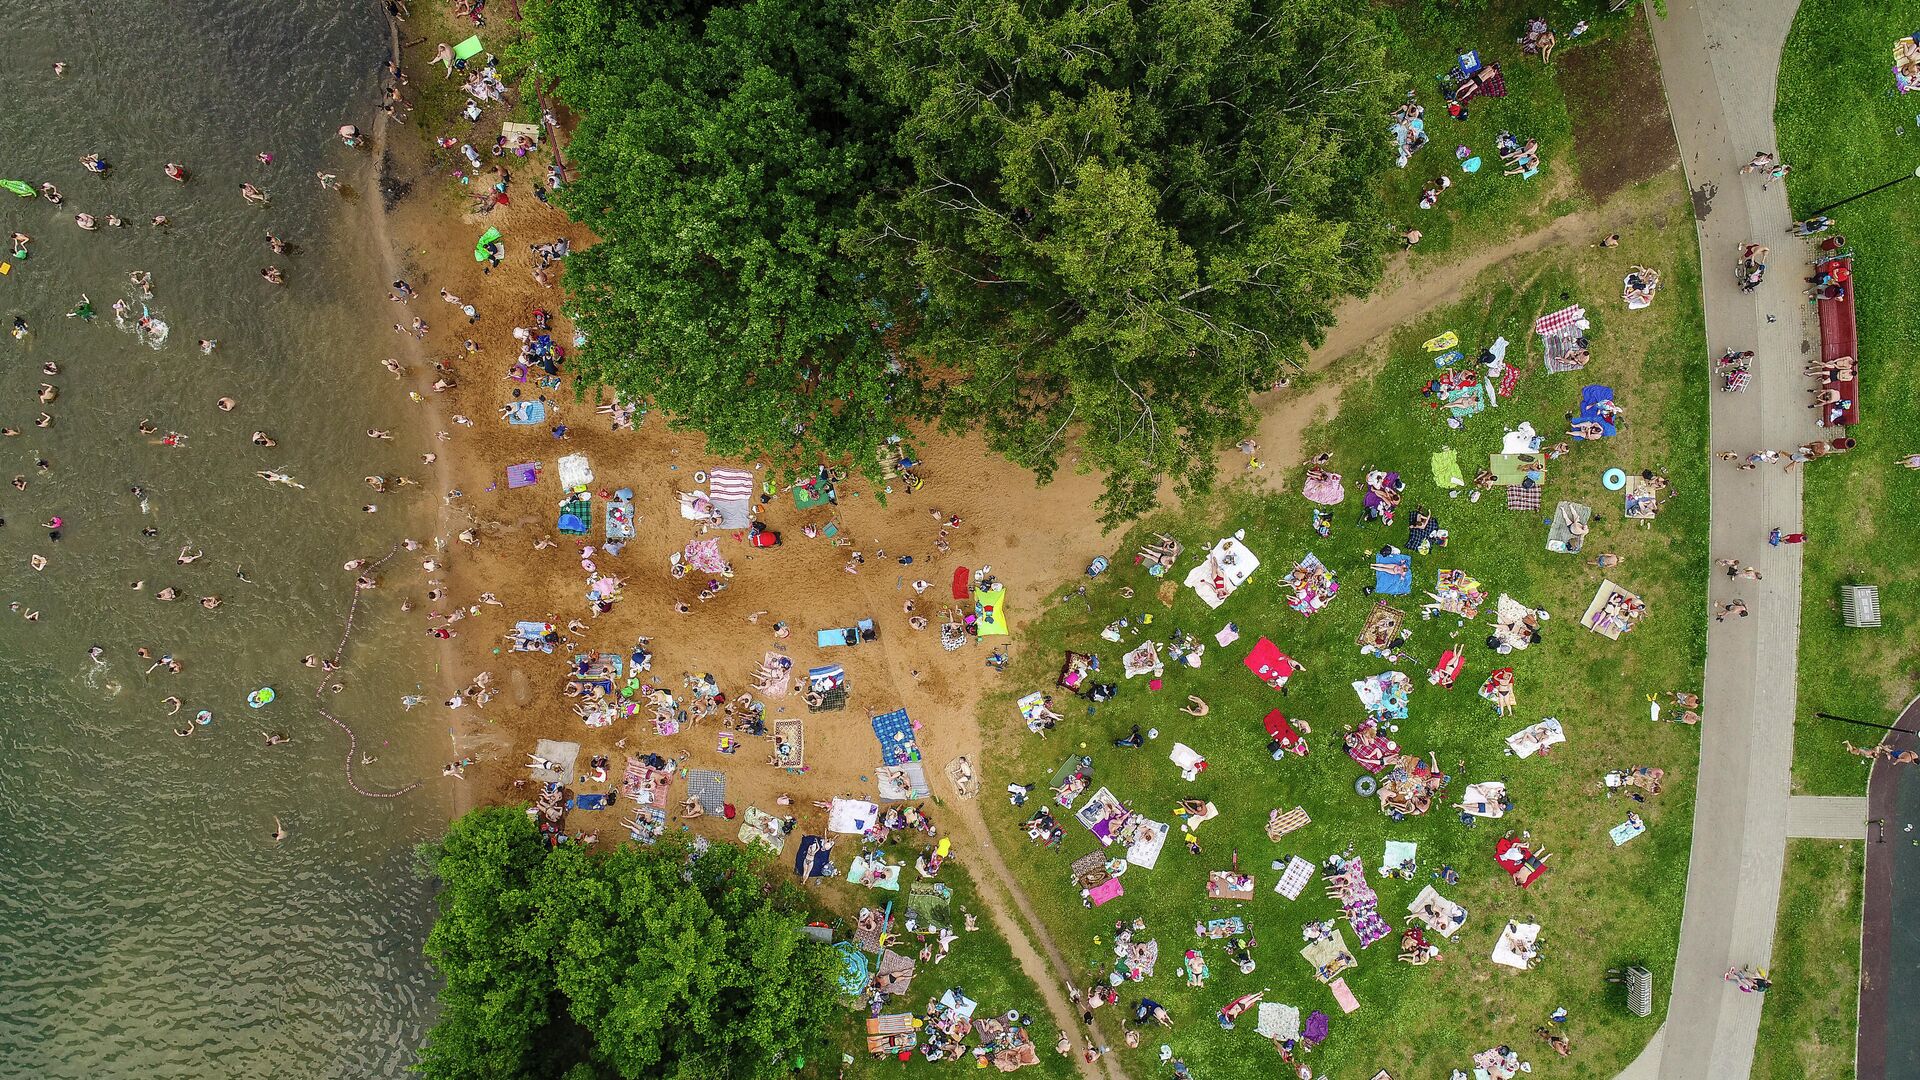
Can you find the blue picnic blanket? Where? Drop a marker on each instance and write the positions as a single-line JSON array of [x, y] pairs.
[[1394, 584], [597, 801], [895, 732], [1626, 831], [524, 413], [1590, 399], [812, 860]]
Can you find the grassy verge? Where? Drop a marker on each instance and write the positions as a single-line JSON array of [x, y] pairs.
[[981, 963], [1601, 905], [1811, 1016], [1843, 129]]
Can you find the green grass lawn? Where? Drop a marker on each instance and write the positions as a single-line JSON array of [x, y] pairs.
[[980, 963], [1811, 1016], [1602, 906], [1843, 129], [1484, 207]]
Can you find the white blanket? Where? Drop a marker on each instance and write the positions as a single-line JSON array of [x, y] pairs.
[[1484, 800], [1147, 842], [1515, 946], [852, 816], [1188, 759], [1447, 918], [1231, 561], [1536, 737], [574, 472]]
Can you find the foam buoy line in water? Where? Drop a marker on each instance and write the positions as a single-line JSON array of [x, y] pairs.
[[1613, 479], [203, 717], [260, 697]]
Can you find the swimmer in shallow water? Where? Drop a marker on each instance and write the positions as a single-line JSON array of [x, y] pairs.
[[260, 438], [85, 221], [176, 173], [253, 194], [273, 275], [51, 194]]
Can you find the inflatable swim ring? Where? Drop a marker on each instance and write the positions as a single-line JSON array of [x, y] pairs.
[[260, 697], [1366, 785], [1613, 479], [203, 717]]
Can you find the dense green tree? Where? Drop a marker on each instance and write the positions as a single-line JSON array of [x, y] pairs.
[[720, 155], [1127, 215], [1086, 230], [646, 962]]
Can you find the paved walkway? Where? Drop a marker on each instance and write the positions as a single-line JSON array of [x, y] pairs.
[[1827, 817], [1889, 942], [1718, 60]]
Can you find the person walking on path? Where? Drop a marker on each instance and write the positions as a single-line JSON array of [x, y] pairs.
[[1737, 607]]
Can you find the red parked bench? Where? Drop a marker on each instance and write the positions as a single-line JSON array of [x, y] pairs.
[[1838, 335]]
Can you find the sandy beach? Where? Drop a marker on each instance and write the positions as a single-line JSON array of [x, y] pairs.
[[1031, 537]]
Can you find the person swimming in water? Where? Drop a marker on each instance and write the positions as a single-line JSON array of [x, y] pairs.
[[95, 164], [253, 194], [274, 738], [51, 194], [85, 221], [277, 245], [273, 275], [20, 330], [279, 831], [188, 555], [84, 311], [260, 438], [176, 173]]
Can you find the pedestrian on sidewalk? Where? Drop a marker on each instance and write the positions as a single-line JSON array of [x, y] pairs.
[[1737, 607], [1761, 160]]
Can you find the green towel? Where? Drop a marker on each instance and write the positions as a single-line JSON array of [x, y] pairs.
[[1446, 469]]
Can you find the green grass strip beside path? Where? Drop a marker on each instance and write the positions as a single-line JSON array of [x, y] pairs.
[[1844, 129], [1809, 1022]]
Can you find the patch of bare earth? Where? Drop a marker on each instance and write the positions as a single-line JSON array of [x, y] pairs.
[[1621, 131]]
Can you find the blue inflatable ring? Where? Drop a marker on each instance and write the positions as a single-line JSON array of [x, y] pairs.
[[1366, 785], [1613, 479]]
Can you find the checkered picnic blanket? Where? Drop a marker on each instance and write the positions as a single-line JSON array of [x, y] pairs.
[[709, 787], [895, 732], [1523, 498], [1559, 320]]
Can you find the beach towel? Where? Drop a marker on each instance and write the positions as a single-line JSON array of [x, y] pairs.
[[895, 732], [1560, 535], [1324, 489], [1278, 1021], [1227, 567], [731, 491], [1626, 831], [576, 517], [1590, 399], [759, 827], [990, 612], [709, 788], [1641, 502], [813, 859], [1398, 852], [523, 475], [1536, 738], [962, 583], [1148, 837], [1294, 878], [1441, 915], [899, 783], [573, 472], [852, 815], [1446, 469], [1105, 891], [1523, 498], [1273, 666], [525, 413], [1516, 945], [1391, 584]]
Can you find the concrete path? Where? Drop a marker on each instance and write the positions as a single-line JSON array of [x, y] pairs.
[[1719, 60], [1827, 817]]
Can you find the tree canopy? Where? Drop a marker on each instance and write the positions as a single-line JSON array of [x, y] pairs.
[[720, 155], [1086, 226], [642, 962]]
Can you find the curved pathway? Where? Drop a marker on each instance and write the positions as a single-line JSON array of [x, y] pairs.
[[1719, 60]]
